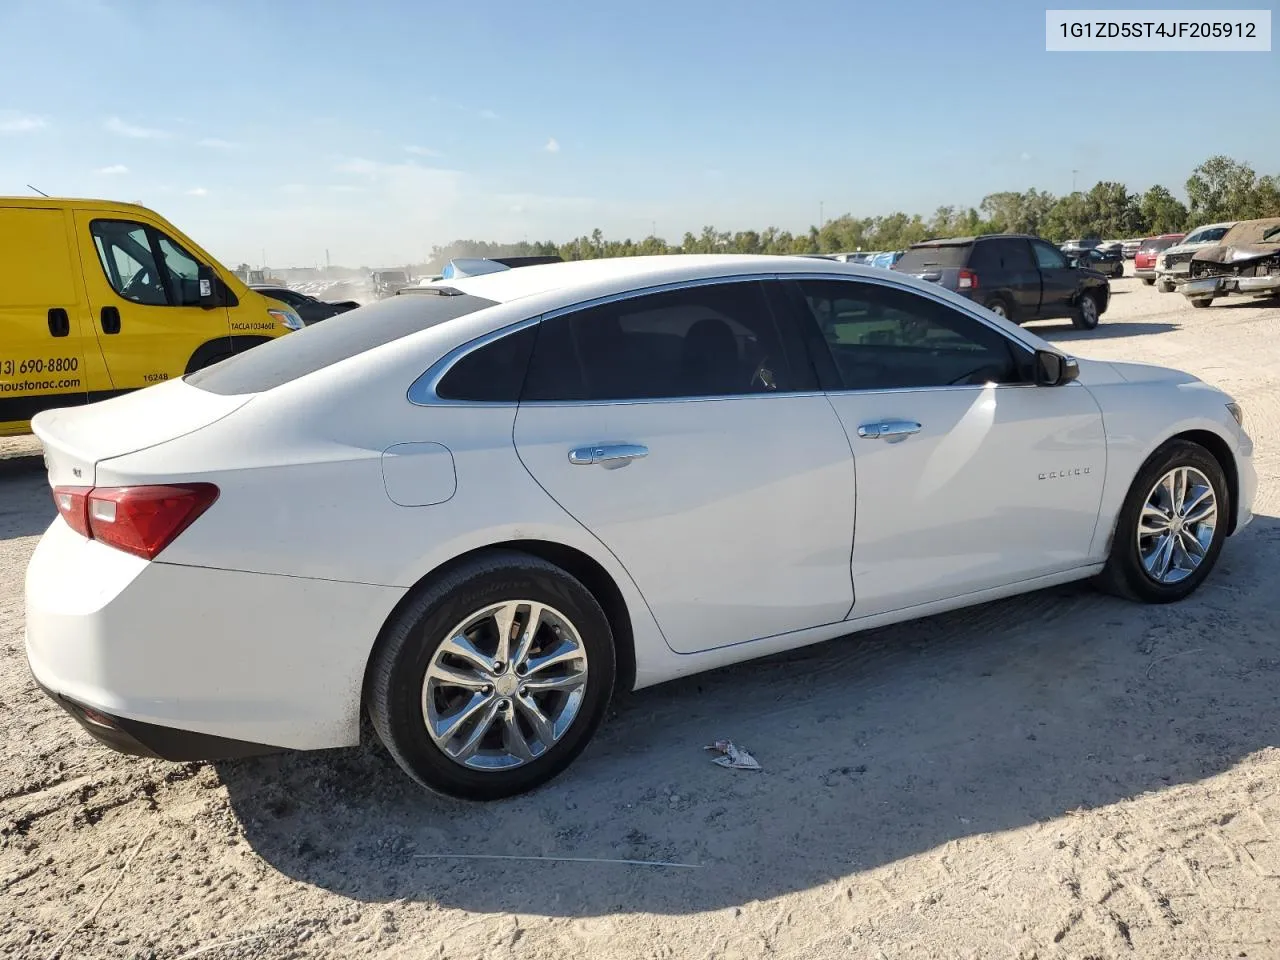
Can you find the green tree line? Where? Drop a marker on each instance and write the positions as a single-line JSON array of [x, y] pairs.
[[1218, 189]]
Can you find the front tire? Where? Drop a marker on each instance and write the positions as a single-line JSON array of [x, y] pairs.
[[1165, 287], [492, 680], [1171, 526], [1086, 315], [1202, 302]]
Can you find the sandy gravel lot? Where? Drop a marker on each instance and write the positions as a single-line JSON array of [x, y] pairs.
[[1059, 775]]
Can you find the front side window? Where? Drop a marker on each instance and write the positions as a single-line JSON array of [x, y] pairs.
[[706, 340], [1047, 257], [145, 266], [885, 338]]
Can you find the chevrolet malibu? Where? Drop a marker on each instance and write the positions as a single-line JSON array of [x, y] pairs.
[[473, 514]]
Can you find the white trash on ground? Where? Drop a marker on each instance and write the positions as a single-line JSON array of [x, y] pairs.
[[732, 756]]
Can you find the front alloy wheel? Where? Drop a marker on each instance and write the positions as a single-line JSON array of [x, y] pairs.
[[1177, 525], [1086, 317]]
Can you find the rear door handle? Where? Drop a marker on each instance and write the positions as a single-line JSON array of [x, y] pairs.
[[110, 317], [59, 322], [607, 454], [890, 430]]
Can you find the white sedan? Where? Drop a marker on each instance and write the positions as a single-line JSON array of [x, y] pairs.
[[475, 513]]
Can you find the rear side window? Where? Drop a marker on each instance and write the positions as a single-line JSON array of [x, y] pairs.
[[923, 259], [706, 340], [1009, 255], [493, 373], [320, 345]]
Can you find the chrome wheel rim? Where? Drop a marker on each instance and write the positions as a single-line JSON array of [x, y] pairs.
[[505, 685], [998, 309], [1089, 310], [1177, 524]]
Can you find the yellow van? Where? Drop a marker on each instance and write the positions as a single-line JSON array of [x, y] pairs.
[[98, 298]]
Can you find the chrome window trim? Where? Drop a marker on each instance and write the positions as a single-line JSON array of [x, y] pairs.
[[422, 392]]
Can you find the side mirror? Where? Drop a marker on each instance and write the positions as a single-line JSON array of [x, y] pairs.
[[208, 281], [1053, 369]]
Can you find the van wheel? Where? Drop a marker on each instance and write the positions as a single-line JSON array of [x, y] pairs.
[[1171, 526], [201, 360], [492, 680], [1086, 315]]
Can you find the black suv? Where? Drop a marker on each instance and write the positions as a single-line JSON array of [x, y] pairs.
[[1019, 277]]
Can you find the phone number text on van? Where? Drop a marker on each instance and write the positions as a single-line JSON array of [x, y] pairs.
[[9, 368]]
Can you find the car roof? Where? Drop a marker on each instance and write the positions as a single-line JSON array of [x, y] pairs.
[[579, 280], [62, 203]]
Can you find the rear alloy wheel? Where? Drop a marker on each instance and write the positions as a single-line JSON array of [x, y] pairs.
[[998, 306], [1171, 526], [1086, 315], [493, 680], [1202, 302]]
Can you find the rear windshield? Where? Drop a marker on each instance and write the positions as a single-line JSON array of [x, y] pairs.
[[923, 259], [315, 347]]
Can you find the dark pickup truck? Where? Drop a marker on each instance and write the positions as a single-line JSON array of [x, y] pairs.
[[1019, 277]]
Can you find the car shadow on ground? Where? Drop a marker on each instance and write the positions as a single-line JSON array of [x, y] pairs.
[[1063, 330], [26, 507], [874, 748]]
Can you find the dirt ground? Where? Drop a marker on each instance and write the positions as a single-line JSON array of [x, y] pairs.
[[1058, 775]]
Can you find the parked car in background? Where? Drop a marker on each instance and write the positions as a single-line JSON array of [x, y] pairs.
[[1112, 246], [1018, 277], [1108, 263], [1130, 248], [1144, 264], [886, 260], [475, 517], [387, 282], [1076, 247], [307, 307], [1173, 264], [1246, 260]]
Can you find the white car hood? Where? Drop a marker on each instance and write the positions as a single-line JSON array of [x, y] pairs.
[[1097, 373]]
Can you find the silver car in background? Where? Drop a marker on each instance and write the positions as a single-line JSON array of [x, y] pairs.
[[1173, 264]]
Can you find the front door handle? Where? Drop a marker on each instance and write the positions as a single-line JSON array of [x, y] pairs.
[[890, 430], [110, 317], [607, 454]]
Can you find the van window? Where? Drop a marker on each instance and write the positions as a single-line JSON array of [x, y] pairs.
[[145, 266]]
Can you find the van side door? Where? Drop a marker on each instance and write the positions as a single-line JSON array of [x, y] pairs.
[[144, 296], [42, 309]]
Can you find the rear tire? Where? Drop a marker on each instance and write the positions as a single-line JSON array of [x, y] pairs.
[[1147, 282], [502, 747], [1202, 302], [1128, 572], [1000, 307], [1086, 315], [1165, 287]]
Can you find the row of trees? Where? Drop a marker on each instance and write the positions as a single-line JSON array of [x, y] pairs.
[[1219, 189]]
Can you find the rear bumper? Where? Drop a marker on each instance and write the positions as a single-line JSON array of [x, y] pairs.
[[1145, 273], [196, 663]]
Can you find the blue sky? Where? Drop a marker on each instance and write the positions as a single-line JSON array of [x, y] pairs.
[[379, 128]]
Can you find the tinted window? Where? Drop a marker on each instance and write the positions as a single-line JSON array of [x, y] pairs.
[[700, 341], [1009, 255], [321, 344], [1047, 257], [493, 373], [884, 338], [923, 259]]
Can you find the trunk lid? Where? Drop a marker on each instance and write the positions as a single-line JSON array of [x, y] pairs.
[[77, 439]]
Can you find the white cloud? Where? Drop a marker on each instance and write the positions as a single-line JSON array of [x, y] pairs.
[[423, 152], [11, 122], [1026, 156], [197, 192], [359, 165], [552, 145], [117, 126], [114, 170], [488, 115], [213, 143]]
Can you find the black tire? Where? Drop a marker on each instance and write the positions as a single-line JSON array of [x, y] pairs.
[[1148, 282], [1124, 574], [397, 669], [1001, 307], [1086, 312], [1202, 302]]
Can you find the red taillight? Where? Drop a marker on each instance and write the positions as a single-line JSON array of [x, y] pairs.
[[73, 505], [967, 280], [139, 520]]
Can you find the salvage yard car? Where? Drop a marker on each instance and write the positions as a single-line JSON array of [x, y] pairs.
[[474, 515], [98, 298], [1017, 277], [1246, 260], [1144, 263], [1173, 264]]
